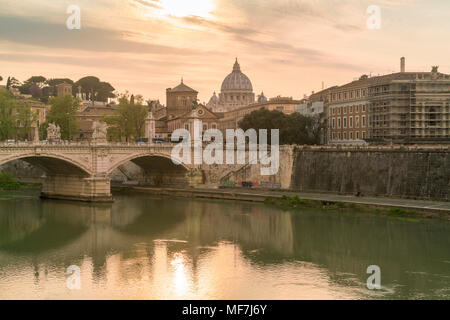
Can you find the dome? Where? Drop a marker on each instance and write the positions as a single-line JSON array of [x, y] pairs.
[[237, 81], [262, 98], [213, 99]]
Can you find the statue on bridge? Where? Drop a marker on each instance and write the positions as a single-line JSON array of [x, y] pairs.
[[53, 132], [100, 130]]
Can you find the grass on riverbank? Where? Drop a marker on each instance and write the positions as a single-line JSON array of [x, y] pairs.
[[295, 202], [9, 182]]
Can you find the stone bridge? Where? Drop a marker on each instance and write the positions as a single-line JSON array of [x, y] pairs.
[[81, 171]]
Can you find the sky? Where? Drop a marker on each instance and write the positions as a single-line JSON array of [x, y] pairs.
[[285, 47]]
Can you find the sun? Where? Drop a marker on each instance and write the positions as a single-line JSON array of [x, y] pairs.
[[184, 8]]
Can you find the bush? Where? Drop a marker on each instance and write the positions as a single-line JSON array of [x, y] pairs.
[[7, 180]]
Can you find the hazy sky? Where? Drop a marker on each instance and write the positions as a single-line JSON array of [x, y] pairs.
[[286, 47]]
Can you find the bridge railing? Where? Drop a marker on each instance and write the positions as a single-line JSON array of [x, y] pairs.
[[166, 145], [81, 144]]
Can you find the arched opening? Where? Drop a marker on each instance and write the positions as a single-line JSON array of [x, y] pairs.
[[152, 170], [36, 168], [62, 178]]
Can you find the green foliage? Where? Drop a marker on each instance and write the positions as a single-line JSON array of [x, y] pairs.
[[57, 81], [38, 81], [128, 120], [49, 90], [95, 89], [15, 118], [12, 83], [7, 181], [24, 118], [7, 115], [63, 113], [294, 128]]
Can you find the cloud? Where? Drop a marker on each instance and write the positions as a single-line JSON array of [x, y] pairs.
[[35, 32]]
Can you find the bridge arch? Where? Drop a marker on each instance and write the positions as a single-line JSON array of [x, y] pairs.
[[52, 163], [157, 168]]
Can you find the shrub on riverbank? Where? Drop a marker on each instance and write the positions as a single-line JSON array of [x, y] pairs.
[[295, 202], [7, 181]]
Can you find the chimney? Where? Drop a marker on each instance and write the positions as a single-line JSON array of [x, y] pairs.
[[402, 64]]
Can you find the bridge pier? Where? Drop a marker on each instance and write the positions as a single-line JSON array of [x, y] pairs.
[[79, 188]]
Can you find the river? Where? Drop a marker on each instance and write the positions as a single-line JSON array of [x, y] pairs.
[[144, 247]]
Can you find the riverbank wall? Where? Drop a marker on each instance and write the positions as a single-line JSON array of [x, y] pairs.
[[411, 172]]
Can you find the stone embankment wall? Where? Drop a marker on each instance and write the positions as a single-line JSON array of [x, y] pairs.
[[393, 171]]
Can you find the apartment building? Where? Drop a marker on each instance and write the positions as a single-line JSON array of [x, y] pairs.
[[403, 107]]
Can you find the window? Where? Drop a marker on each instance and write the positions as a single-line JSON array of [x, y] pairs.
[[333, 123], [351, 109], [350, 122], [280, 108], [364, 108], [345, 135], [205, 126], [345, 122], [363, 134], [213, 126], [345, 110], [357, 122], [339, 123], [363, 119], [357, 135], [186, 126], [356, 109], [351, 135]]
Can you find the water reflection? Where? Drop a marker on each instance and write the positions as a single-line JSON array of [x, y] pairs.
[[160, 248]]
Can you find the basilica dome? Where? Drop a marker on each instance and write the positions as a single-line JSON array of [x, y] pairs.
[[237, 81]]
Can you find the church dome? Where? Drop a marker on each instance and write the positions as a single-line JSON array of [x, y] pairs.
[[237, 81], [214, 99]]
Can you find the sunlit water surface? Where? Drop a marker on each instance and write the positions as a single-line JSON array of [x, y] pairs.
[[144, 247]]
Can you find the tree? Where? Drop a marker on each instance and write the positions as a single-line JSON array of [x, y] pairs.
[[63, 113], [38, 81], [128, 120], [24, 119], [35, 91], [7, 117], [1, 78], [50, 89], [94, 89], [294, 128], [104, 91], [16, 118], [12, 83]]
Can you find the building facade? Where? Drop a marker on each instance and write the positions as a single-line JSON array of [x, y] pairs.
[[180, 100], [403, 107]]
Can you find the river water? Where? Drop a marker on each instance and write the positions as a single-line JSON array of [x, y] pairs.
[[144, 247]]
